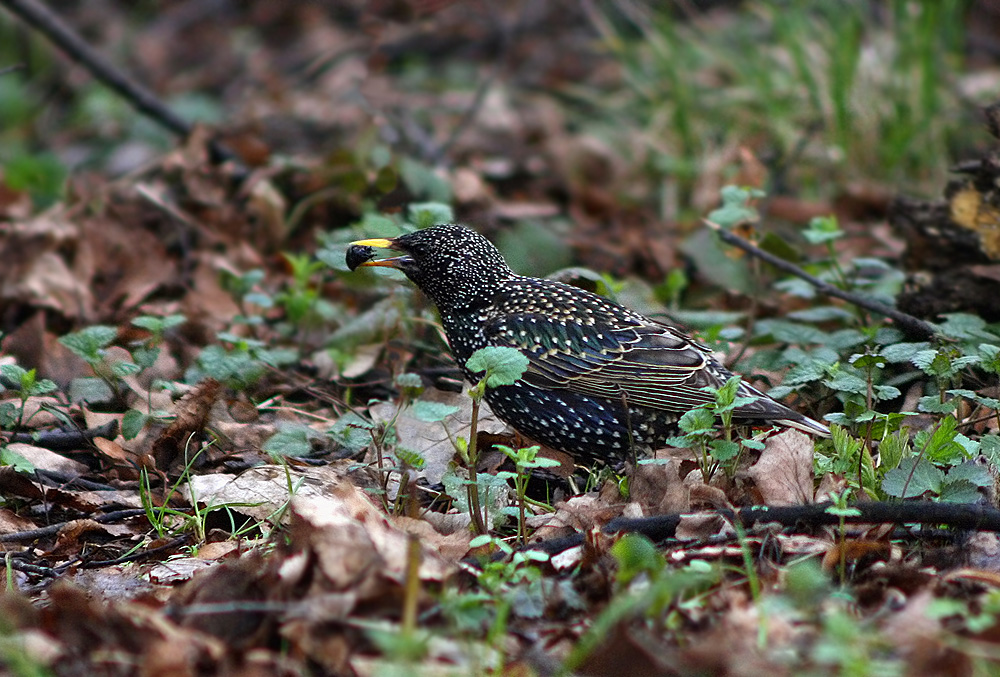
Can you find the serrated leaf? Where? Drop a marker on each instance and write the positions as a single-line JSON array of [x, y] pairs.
[[965, 326], [723, 450], [699, 421], [903, 352], [87, 343], [932, 404], [925, 477], [959, 491], [970, 471], [503, 366]]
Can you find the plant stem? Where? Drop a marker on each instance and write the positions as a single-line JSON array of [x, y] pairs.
[[473, 487]]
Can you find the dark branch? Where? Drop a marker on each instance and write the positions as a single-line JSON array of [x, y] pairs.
[[962, 516], [911, 326], [69, 41]]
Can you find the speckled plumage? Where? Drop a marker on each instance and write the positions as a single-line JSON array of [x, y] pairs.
[[602, 381]]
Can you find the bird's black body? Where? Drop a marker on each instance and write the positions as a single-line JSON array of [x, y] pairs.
[[602, 382]]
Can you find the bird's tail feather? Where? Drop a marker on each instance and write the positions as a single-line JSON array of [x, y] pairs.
[[806, 425]]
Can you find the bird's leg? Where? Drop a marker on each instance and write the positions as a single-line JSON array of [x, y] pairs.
[[628, 428]]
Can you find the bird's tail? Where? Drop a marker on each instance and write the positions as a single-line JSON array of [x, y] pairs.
[[805, 424]]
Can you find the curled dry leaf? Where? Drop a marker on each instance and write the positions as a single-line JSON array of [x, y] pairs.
[[192, 414], [355, 544]]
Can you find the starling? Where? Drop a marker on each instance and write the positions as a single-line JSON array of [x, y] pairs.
[[603, 382]]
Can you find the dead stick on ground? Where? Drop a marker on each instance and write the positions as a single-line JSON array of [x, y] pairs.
[[69, 41], [911, 326]]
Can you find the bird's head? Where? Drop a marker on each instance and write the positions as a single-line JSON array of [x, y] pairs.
[[456, 267]]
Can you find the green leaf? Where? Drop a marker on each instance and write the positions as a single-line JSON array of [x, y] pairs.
[[903, 352], [892, 448], [8, 414], [843, 511], [14, 374], [89, 390], [88, 343], [351, 432], [932, 404], [409, 458], [823, 229], [15, 460], [989, 446], [503, 366], [847, 382], [636, 555], [424, 181], [409, 380], [925, 477], [972, 472], [132, 423], [157, 324], [123, 369], [699, 421], [723, 450], [965, 326], [736, 209], [293, 439], [960, 491], [40, 174], [941, 446], [431, 412]]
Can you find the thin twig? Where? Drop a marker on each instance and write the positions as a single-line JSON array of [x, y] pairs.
[[69, 41], [912, 326], [53, 529]]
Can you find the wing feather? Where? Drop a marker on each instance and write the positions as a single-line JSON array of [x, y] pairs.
[[650, 365]]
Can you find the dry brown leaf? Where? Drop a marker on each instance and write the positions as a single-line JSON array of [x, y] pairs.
[[43, 459], [577, 514], [192, 414], [261, 491], [12, 523], [355, 544], [658, 488], [784, 472]]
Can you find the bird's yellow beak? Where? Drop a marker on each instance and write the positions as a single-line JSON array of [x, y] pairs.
[[380, 242]]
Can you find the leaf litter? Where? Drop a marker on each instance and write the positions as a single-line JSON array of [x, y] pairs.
[[191, 547]]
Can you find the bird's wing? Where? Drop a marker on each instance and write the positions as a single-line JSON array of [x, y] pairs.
[[646, 363]]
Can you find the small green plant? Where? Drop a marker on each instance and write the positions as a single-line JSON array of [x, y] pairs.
[[241, 364], [167, 521], [525, 460], [25, 384], [842, 509], [90, 345], [505, 580], [145, 355], [500, 366], [646, 587], [700, 432]]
